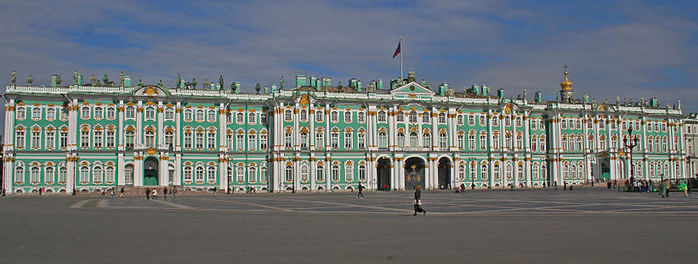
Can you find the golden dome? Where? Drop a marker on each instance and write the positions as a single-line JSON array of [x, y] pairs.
[[566, 84]]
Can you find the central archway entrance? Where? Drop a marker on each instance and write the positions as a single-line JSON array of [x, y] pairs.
[[383, 174], [414, 173], [150, 171], [444, 173]]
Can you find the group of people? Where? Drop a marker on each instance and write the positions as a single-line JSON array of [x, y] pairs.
[[461, 187], [153, 194], [665, 185], [642, 186]]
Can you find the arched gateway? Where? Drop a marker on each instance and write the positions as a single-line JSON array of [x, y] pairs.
[[150, 171], [414, 173], [384, 168]]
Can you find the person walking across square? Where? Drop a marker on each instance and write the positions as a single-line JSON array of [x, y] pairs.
[[361, 193]]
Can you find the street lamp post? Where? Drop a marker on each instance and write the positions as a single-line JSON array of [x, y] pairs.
[[631, 145]]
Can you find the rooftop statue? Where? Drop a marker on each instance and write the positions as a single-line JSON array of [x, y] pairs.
[[30, 79], [194, 83], [160, 84], [281, 83], [220, 82], [58, 79], [206, 84], [14, 77], [121, 79], [179, 79], [258, 87], [75, 77], [93, 80]]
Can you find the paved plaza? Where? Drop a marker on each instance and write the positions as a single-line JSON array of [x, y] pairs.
[[581, 226]]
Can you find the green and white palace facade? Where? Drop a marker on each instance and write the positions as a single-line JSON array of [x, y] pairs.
[[318, 137]]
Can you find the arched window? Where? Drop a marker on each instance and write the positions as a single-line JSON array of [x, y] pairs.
[[483, 172], [495, 140], [426, 116], [335, 173], [97, 174], [534, 143], [520, 172], [443, 144], [334, 139], [263, 172], [49, 175], [288, 115], [361, 117], [347, 116], [510, 172], [442, 118], [62, 174], [239, 118], [84, 174], [461, 141], [199, 115], [319, 116], [240, 174], [362, 173], [400, 139], [413, 117], [19, 174], [169, 138], [21, 113], [199, 176], [320, 173], [130, 139], [426, 140], [304, 115], [252, 174], [461, 173], [565, 171], [348, 140], [289, 173], [211, 174], [169, 114], [319, 139], [188, 115], [110, 175], [128, 174], [211, 139], [496, 172], [111, 113], [304, 140], [400, 116], [382, 140], [85, 112], [211, 115], [304, 173], [334, 116], [149, 113], [471, 120], [535, 173], [99, 113], [187, 173], [150, 139], [349, 172], [34, 175], [381, 116], [413, 139]]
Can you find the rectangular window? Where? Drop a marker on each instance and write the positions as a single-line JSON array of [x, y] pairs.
[[199, 142], [348, 139], [362, 141], [36, 139], [187, 140], [334, 140], [110, 139], [263, 142], [111, 113], [319, 140], [240, 141], [319, 116], [63, 139], [50, 139], [251, 118], [483, 141], [85, 139], [251, 142], [229, 141], [98, 139], [471, 142], [50, 114], [211, 141]]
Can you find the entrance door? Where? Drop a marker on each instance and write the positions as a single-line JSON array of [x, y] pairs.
[[605, 169], [383, 174], [150, 171], [414, 173], [444, 173]]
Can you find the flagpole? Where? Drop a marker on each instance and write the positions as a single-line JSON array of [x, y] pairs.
[[400, 44]]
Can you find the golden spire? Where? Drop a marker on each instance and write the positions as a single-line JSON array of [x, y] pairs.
[[566, 84]]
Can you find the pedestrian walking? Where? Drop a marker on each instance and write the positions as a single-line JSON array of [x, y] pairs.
[[361, 192], [111, 193], [147, 193], [684, 187], [214, 191], [564, 185], [667, 185], [164, 193], [418, 201], [121, 195], [155, 194], [174, 192]]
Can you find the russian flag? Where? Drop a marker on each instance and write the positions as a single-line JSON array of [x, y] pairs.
[[397, 51]]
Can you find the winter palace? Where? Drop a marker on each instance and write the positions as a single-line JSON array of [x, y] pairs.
[[316, 136]]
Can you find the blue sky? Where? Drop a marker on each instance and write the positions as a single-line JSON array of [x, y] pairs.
[[627, 48]]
